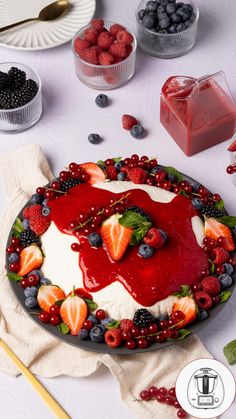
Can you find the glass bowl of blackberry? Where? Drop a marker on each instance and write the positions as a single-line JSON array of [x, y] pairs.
[[20, 97], [166, 28]]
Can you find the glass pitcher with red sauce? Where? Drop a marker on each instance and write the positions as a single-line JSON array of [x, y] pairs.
[[198, 113]]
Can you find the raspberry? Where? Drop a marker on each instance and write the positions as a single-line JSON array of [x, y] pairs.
[[124, 36], [113, 338], [118, 49], [97, 24], [105, 58], [80, 44], [211, 285], [91, 35], [203, 300], [33, 211], [128, 121], [154, 238], [114, 29], [111, 172], [220, 255], [39, 224], [137, 175], [105, 40], [126, 325], [90, 55]]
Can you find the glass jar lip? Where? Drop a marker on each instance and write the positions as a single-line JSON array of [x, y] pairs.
[[196, 10], [14, 64], [97, 66]]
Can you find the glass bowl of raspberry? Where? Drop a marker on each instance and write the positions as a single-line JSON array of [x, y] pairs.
[[20, 97], [166, 28], [104, 54]]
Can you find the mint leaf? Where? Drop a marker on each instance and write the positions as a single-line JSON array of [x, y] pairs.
[[220, 204], [91, 304], [117, 159], [172, 171], [230, 352], [14, 277], [101, 163], [224, 296], [184, 291], [113, 325], [59, 302], [183, 193], [132, 219], [138, 234], [183, 333], [17, 227], [228, 220], [63, 328]]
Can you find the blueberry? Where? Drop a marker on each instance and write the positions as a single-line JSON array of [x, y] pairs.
[[229, 269], [93, 319], [151, 6], [170, 8], [121, 176], [94, 138], [13, 258], [137, 131], [31, 302], [30, 292], [36, 199], [163, 2], [197, 203], [175, 18], [145, 251], [164, 22], [96, 334], [102, 100], [119, 165], [141, 14], [163, 233], [95, 239], [192, 17], [83, 334], [202, 314], [187, 24], [225, 281], [45, 281], [37, 272], [162, 317], [106, 321], [188, 8], [45, 203], [180, 27], [46, 211], [195, 185], [156, 169], [161, 9], [171, 176], [149, 21], [180, 4]]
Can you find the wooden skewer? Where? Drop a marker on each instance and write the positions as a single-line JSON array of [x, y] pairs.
[[56, 409]]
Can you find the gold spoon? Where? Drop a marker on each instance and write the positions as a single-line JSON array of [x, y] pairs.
[[51, 12]]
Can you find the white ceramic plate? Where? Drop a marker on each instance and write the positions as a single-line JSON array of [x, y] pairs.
[[42, 35]]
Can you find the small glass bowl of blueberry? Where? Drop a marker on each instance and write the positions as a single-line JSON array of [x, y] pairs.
[[166, 28], [20, 97]]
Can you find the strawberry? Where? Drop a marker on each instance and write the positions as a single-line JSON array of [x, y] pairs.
[[129, 49], [137, 175], [188, 307], [124, 36], [30, 258], [214, 229], [32, 211], [105, 40], [115, 237], [111, 172], [91, 35], [82, 293], [90, 55], [154, 238], [73, 312], [48, 295], [211, 285], [97, 24], [105, 58], [39, 224], [232, 147], [114, 29], [80, 44], [113, 338], [126, 325], [203, 300], [118, 49], [96, 174], [219, 255], [128, 121]]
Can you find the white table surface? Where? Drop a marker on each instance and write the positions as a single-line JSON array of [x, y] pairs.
[[69, 116]]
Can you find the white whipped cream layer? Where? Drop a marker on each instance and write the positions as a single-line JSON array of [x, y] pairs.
[[62, 268]]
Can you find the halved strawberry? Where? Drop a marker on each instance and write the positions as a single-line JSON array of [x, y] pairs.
[[82, 293], [30, 258], [48, 295], [232, 146], [73, 312], [115, 237], [214, 229], [96, 174], [188, 307]]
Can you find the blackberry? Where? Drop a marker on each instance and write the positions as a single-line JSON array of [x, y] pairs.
[[17, 78], [5, 99], [31, 87], [68, 184], [138, 210], [28, 237], [4, 80], [143, 317], [211, 211], [19, 98]]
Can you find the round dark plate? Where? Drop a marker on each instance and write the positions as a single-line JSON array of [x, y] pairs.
[[102, 347]]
